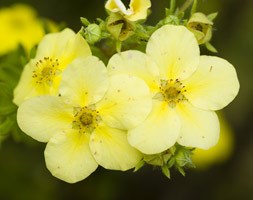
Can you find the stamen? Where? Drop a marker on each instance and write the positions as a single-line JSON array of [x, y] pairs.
[[172, 92], [46, 70], [86, 119]]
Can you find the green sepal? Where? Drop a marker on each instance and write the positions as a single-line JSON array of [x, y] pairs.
[[166, 171], [119, 27], [212, 16], [181, 170], [84, 21], [139, 165], [210, 47]]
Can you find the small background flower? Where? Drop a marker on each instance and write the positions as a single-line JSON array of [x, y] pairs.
[[21, 25]]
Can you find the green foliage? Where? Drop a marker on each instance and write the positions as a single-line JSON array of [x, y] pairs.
[[177, 157], [11, 66]]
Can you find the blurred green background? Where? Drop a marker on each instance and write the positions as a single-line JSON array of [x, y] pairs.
[[23, 174]]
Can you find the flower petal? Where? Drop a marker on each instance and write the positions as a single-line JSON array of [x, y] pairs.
[[115, 6], [139, 8], [175, 50], [214, 84], [68, 156], [84, 82], [199, 128], [26, 87], [137, 64], [111, 150], [42, 117], [52, 43], [126, 103], [158, 132], [74, 48]]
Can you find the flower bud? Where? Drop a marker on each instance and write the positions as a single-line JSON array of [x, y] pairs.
[[120, 28], [92, 33], [201, 26]]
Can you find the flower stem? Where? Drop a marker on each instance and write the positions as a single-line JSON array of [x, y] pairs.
[[186, 5]]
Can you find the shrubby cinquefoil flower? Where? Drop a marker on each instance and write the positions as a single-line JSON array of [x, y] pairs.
[[187, 88], [42, 74], [20, 25], [137, 10], [85, 126]]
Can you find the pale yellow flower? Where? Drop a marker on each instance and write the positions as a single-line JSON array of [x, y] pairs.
[[19, 24], [187, 88], [86, 124], [42, 75], [137, 8]]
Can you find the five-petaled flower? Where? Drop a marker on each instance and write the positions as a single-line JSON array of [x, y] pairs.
[[86, 124], [187, 88], [42, 75], [137, 9]]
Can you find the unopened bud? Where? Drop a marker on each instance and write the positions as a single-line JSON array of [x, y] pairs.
[[201, 26]]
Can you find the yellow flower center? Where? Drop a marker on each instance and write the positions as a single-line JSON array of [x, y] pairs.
[[46, 70], [85, 119], [172, 92]]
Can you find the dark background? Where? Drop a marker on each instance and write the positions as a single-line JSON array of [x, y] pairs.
[[23, 174]]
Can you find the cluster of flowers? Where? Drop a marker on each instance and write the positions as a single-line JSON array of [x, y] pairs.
[[140, 105]]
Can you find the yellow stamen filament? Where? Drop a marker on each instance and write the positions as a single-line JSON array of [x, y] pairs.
[[46, 70], [86, 119], [172, 91]]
